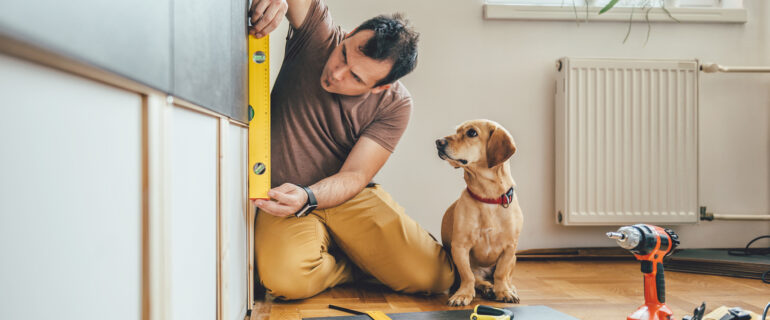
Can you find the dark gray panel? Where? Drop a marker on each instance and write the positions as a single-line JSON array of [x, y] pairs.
[[519, 313], [139, 38], [130, 38], [202, 54], [239, 63]]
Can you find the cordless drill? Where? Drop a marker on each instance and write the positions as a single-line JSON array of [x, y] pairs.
[[649, 244]]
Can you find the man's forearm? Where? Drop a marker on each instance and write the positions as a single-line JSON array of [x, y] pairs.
[[297, 12], [334, 190]]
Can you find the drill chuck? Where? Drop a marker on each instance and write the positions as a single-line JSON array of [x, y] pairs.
[[616, 236], [627, 237]]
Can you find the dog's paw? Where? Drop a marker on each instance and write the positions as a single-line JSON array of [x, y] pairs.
[[486, 290], [509, 296], [461, 298]]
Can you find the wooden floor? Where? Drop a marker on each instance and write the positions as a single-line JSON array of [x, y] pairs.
[[583, 289]]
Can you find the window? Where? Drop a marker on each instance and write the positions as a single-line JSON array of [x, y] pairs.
[[717, 11], [627, 3]]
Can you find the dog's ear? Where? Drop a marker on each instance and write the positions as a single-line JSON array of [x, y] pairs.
[[500, 147]]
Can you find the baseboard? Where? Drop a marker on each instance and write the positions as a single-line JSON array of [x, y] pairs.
[[598, 253]]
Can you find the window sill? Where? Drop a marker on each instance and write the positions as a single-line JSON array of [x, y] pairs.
[[567, 13]]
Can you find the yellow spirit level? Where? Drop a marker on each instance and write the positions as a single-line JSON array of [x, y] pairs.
[[259, 117]]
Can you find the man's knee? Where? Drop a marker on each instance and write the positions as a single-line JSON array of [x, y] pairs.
[[290, 287], [289, 265], [287, 280]]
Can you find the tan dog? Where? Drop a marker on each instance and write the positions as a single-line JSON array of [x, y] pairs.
[[482, 227]]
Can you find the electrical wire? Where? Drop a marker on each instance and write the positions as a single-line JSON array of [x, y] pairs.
[[764, 313], [748, 251]]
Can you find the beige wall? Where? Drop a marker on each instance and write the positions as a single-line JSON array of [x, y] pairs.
[[504, 71]]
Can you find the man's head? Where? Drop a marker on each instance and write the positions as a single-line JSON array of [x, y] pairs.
[[372, 57]]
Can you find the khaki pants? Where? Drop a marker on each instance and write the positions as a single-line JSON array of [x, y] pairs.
[[300, 257]]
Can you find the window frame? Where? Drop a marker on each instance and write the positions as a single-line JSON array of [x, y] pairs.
[[709, 11]]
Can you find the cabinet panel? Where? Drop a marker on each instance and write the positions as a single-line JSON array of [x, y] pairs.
[[193, 214], [70, 196]]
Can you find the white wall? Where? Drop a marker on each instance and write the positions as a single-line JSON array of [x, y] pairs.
[[504, 70]]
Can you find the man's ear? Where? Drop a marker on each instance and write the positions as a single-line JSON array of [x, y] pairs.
[[500, 147], [381, 88]]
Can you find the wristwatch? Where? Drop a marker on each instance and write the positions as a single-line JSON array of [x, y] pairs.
[[310, 205]]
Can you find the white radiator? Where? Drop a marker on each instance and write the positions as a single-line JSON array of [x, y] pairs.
[[626, 141]]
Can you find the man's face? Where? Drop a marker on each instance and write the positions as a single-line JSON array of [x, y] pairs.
[[349, 72]]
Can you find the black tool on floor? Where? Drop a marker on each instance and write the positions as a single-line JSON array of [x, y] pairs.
[[697, 314], [331, 306], [736, 314], [375, 315]]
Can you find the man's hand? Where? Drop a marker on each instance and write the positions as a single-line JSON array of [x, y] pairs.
[[286, 200], [265, 16]]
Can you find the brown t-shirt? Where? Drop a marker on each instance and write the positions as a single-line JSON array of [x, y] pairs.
[[314, 130]]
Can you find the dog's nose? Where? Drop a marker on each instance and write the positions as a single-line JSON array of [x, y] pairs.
[[440, 143]]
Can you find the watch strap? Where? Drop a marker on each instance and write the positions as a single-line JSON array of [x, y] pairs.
[[311, 200], [310, 204]]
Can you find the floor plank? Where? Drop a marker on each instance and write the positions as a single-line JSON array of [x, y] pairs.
[[583, 289]]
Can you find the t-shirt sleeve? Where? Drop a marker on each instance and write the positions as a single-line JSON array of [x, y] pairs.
[[316, 32], [388, 126]]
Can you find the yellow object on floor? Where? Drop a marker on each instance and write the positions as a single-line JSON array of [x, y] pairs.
[[259, 117], [482, 312], [377, 315]]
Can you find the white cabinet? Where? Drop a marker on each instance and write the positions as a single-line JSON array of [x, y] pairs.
[[117, 202], [70, 196], [234, 221], [193, 218]]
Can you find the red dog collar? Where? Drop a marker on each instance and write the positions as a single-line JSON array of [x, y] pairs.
[[504, 200]]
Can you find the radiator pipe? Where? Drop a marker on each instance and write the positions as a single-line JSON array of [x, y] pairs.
[[713, 67], [710, 216]]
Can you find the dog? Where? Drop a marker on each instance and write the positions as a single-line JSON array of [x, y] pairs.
[[481, 229]]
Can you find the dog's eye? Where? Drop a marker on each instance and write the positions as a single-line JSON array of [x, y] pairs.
[[471, 133]]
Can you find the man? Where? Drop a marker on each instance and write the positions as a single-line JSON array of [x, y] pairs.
[[338, 112]]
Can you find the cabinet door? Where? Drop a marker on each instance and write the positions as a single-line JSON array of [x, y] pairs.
[[70, 196], [193, 218], [234, 275]]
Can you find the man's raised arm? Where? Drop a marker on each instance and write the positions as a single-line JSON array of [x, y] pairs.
[[266, 15]]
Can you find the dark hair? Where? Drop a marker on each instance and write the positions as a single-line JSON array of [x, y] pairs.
[[393, 39]]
